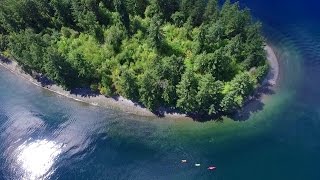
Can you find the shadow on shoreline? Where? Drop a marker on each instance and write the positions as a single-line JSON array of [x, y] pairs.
[[84, 92], [5, 60], [252, 105], [43, 80]]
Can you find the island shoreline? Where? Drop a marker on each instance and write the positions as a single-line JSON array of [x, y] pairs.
[[125, 105]]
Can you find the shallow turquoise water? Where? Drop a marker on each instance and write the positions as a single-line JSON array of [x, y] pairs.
[[43, 135]]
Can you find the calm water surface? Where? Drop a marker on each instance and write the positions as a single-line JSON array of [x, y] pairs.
[[45, 136]]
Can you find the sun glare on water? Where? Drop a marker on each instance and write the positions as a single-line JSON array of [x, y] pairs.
[[37, 158]]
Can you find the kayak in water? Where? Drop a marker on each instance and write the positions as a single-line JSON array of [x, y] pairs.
[[212, 168]]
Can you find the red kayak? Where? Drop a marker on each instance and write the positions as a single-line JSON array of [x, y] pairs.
[[212, 168]]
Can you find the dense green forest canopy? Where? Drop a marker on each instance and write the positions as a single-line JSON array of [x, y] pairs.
[[192, 55]]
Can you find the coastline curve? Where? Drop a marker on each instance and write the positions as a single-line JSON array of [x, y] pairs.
[[130, 107]]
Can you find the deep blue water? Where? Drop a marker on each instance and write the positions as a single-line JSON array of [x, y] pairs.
[[45, 136]]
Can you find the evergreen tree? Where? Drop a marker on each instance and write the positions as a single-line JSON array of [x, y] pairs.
[[150, 90], [128, 84], [154, 32], [187, 92], [122, 10], [192, 55], [170, 70], [211, 11], [209, 95], [136, 7]]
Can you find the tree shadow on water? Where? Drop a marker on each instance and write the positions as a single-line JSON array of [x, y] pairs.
[[253, 104]]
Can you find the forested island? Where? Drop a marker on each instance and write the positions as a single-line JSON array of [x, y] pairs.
[[193, 56]]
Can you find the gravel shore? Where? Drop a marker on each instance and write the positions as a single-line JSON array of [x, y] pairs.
[[127, 105]]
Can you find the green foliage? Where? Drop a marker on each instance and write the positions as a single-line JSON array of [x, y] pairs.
[[261, 72], [186, 54], [243, 84], [128, 86], [178, 18], [59, 70], [84, 15], [238, 89], [3, 42], [230, 102], [150, 90], [168, 7], [209, 95], [211, 11], [234, 20], [21, 14], [154, 33], [217, 63], [62, 14], [28, 48], [114, 36], [106, 85], [136, 7], [170, 70], [124, 15], [187, 92]]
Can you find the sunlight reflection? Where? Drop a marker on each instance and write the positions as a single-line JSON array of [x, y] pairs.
[[37, 158]]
